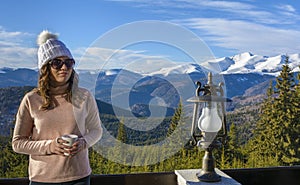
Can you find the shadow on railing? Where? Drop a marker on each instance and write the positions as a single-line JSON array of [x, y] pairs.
[[247, 176], [266, 176]]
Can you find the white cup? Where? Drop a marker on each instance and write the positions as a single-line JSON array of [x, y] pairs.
[[70, 138]]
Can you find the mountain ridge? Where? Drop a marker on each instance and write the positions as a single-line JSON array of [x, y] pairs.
[[239, 72], [242, 63], [158, 90], [250, 63]]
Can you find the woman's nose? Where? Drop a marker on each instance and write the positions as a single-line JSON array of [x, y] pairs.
[[64, 67]]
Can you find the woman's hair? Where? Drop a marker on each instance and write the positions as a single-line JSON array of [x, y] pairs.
[[43, 88]]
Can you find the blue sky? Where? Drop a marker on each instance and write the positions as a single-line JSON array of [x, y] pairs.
[[263, 27]]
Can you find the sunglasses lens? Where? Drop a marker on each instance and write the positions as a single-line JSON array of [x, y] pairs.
[[57, 63], [69, 63]]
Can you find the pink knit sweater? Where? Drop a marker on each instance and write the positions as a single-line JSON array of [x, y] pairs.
[[35, 129]]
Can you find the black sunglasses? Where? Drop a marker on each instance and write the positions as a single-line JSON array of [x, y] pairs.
[[58, 63]]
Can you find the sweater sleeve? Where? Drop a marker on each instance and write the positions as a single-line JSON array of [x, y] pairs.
[[93, 122], [21, 141]]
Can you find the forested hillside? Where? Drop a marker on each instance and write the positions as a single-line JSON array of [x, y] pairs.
[[10, 98], [265, 133]]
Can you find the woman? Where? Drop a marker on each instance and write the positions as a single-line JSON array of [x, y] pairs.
[[56, 107]]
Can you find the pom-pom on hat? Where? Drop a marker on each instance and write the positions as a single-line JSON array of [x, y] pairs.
[[50, 47]]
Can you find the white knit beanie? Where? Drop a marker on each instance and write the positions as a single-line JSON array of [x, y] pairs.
[[50, 47]]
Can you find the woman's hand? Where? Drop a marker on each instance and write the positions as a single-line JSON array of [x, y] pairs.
[[79, 145], [57, 147]]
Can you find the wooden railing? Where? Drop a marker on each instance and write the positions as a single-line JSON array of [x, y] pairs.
[[248, 176]]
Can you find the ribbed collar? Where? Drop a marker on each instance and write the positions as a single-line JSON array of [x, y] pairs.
[[59, 90]]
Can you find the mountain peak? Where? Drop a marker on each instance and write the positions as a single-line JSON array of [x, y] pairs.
[[243, 55], [243, 63], [249, 63]]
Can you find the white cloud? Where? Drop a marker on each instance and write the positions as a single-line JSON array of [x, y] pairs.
[[266, 29], [15, 37], [98, 58], [17, 57], [216, 8], [230, 5], [102, 58], [286, 7], [14, 51], [246, 36], [232, 25]]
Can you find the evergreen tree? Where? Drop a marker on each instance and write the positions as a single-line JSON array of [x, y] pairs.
[[293, 139], [15, 165], [285, 136], [97, 162], [230, 156], [175, 119], [258, 148], [121, 140], [121, 133], [276, 140]]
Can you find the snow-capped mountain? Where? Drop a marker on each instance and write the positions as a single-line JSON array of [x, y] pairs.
[[238, 64], [185, 68], [250, 63], [244, 69], [240, 73]]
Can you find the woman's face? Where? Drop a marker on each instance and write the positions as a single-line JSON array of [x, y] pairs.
[[61, 70]]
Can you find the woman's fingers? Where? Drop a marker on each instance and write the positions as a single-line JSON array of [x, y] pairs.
[[58, 147], [77, 146]]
